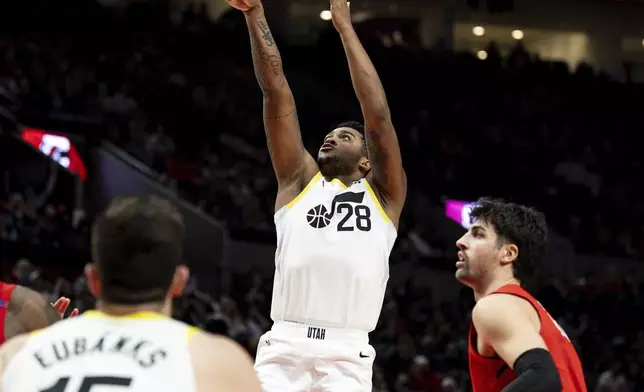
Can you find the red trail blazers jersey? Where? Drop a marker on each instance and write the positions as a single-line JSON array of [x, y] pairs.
[[6, 290], [492, 374]]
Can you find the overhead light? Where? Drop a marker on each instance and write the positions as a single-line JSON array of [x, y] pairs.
[[517, 34], [478, 31], [481, 54], [325, 15], [643, 42]]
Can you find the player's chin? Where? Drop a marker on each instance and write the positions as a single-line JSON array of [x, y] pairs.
[[325, 154], [461, 274]]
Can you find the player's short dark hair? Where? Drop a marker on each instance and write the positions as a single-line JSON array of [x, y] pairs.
[[358, 127], [137, 246], [522, 226]]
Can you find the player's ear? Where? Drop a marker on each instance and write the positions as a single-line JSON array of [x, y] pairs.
[[93, 280], [181, 276], [509, 253], [364, 164]]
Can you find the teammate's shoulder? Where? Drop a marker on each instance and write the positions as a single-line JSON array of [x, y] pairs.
[[10, 348], [16, 342], [203, 341], [222, 361]]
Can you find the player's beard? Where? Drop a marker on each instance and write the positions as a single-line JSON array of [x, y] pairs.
[[464, 274], [334, 166]]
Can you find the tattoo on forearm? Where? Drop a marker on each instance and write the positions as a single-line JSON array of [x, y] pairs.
[[266, 33], [271, 61], [292, 112], [266, 58]]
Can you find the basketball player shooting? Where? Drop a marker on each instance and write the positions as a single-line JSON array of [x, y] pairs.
[[336, 222], [129, 343], [514, 343]]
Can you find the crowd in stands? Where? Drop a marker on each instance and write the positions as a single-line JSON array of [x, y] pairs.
[[182, 98]]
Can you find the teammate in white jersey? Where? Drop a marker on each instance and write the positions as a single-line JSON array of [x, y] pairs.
[[129, 343], [336, 224]]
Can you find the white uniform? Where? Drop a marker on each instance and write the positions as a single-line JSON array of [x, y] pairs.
[[332, 267], [95, 352]]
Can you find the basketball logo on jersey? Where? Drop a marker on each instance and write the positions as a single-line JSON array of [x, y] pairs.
[[319, 217]]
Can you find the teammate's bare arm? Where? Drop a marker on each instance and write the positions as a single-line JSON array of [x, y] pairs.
[[387, 173], [222, 365], [293, 165], [510, 326], [28, 311]]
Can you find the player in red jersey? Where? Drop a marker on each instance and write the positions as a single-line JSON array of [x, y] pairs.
[[514, 343], [23, 310]]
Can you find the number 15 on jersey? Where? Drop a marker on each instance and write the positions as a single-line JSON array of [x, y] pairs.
[[106, 382]]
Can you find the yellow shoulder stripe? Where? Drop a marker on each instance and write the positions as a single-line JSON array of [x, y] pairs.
[[376, 201], [313, 181], [191, 332], [340, 183], [143, 315]]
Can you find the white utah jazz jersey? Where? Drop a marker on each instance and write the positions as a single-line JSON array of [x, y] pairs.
[[95, 353], [332, 257]]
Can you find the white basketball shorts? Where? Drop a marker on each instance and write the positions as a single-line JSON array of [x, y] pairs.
[[294, 357]]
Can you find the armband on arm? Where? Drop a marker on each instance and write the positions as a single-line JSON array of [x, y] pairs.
[[536, 372]]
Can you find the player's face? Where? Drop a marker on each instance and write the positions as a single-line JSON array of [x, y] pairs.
[[479, 252], [341, 152]]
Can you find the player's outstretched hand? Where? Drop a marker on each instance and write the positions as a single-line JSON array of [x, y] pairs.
[[61, 306], [244, 5], [340, 14]]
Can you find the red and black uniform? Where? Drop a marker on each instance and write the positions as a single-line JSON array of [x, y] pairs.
[[492, 374], [6, 290]]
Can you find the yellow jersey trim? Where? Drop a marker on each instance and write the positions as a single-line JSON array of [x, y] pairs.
[[313, 181], [143, 315], [191, 332], [376, 201], [336, 181]]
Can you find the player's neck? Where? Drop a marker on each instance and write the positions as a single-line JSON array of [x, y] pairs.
[[346, 180], [119, 310], [493, 286]]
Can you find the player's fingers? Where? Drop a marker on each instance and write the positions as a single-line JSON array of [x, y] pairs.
[[61, 304], [57, 303], [74, 313], [64, 305]]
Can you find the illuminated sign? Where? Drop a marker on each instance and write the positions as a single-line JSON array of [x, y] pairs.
[[57, 147], [459, 211]]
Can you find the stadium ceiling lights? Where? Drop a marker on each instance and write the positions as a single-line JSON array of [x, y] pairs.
[[478, 31]]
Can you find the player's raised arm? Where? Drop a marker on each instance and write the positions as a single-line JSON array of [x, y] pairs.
[[387, 173], [503, 323], [293, 165]]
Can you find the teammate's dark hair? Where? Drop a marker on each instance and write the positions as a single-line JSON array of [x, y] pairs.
[[522, 226], [137, 246], [358, 127]]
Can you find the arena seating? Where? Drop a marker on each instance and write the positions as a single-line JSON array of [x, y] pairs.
[[183, 100]]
